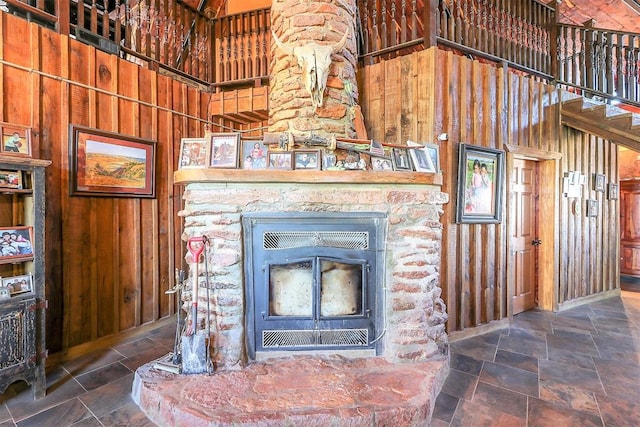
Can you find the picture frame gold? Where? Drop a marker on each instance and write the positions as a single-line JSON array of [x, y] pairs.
[[16, 140], [225, 150]]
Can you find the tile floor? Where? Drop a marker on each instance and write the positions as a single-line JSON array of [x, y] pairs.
[[580, 367]]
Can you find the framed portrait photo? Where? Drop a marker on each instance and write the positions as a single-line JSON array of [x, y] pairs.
[[16, 243], [194, 153], [592, 208], [422, 160], [306, 159], [599, 182], [614, 191], [280, 160], [225, 150], [110, 164], [18, 284], [480, 183], [381, 163], [254, 154], [11, 179], [16, 140], [401, 159]]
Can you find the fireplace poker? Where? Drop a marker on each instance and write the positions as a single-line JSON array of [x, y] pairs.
[[194, 342], [172, 361]]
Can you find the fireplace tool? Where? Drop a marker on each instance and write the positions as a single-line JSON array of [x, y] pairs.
[[172, 361], [194, 344]]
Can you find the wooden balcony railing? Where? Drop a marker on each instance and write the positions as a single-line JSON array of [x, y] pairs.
[[600, 62], [234, 50]]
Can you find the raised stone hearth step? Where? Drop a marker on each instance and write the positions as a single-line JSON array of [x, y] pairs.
[[300, 390]]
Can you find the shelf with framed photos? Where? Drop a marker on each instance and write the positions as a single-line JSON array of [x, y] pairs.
[[22, 287]]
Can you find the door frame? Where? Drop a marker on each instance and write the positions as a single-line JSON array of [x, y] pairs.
[[548, 202]]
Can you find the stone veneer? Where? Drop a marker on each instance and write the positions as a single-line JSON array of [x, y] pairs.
[[415, 314], [296, 23]]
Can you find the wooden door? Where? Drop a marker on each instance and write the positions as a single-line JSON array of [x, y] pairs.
[[524, 239]]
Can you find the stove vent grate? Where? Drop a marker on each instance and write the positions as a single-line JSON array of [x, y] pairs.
[[315, 338], [357, 240]]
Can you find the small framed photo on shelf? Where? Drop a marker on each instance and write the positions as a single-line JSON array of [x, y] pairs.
[[254, 154], [11, 179], [401, 159], [225, 150], [599, 182], [421, 160], [16, 140], [613, 191], [433, 150], [18, 284], [306, 159], [280, 160], [592, 208], [381, 163], [194, 153], [16, 243]]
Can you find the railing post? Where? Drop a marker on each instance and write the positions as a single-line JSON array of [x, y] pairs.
[[553, 43], [589, 58], [430, 20], [63, 13]]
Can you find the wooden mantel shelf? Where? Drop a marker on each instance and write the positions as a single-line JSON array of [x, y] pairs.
[[188, 176]]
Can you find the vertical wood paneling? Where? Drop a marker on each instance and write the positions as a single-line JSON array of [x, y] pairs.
[[488, 106], [104, 270]]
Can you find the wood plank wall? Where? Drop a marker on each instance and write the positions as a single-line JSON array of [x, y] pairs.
[[108, 260], [422, 95]]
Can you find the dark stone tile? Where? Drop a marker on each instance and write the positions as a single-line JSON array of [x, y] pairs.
[[88, 422], [516, 360], [624, 326], [609, 304], [435, 422], [579, 321], [129, 415], [64, 414], [475, 348], [524, 342], [501, 399], [513, 379], [473, 414], [570, 358], [559, 373], [134, 362], [460, 384], [92, 361], [568, 395], [618, 412], [135, 347], [623, 392], [109, 397], [542, 413], [599, 314], [60, 388], [102, 376], [4, 413], [461, 362], [538, 325], [580, 343], [445, 407], [617, 373]]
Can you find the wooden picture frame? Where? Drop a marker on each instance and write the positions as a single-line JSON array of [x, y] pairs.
[[194, 153], [480, 184], [599, 182], [225, 150], [421, 160], [592, 208], [11, 179], [381, 163], [433, 150], [16, 244], [401, 159], [18, 284], [281, 160], [16, 140], [110, 164], [307, 159], [614, 191], [254, 154]]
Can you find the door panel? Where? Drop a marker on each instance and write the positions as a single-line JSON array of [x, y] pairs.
[[524, 250]]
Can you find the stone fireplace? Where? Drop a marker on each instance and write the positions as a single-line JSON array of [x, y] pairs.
[[407, 253]]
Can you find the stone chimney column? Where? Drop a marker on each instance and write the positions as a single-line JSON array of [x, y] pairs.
[[296, 23]]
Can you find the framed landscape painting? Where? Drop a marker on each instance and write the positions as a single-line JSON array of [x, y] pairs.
[[110, 164]]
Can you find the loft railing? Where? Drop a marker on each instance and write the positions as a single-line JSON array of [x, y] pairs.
[[601, 63], [235, 50]]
